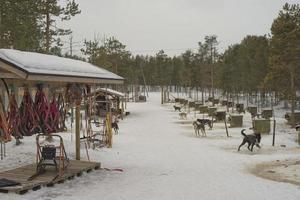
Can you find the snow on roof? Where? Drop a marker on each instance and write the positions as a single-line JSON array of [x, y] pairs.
[[110, 91], [42, 64]]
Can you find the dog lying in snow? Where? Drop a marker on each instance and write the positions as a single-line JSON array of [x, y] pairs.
[[251, 140], [205, 122], [183, 115], [199, 126], [177, 108]]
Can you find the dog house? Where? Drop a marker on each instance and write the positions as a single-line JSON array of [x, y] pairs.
[[236, 121], [216, 101], [197, 105], [230, 104], [267, 113], [203, 109], [239, 107], [212, 111], [142, 98], [177, 100], [252, 110], [210, 99], [296, 116], [262, 126], [224, 102], [220, 115]]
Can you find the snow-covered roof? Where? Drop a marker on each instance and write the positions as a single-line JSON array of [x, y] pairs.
[[110, 92], [37, 64]]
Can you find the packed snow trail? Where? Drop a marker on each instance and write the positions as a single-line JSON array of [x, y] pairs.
[[163, 160]]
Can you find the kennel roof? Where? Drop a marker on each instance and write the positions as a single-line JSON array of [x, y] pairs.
[[108, 91], [42, 67]]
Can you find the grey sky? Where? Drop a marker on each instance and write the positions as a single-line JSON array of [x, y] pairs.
[[147, 26]]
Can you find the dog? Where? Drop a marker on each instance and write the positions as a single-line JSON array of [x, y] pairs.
[[115, 126], [251, 140], [206, 122], [183, 115], [177, 108], [199, 126]]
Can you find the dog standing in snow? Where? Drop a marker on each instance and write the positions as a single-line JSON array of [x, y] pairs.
[[177, 108], [198, 126], [183, 115], [206, 122], [115, 126], [251, 140]]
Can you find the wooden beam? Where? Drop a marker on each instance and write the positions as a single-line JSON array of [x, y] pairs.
[[8, 75], [63, 79], [14, 70]]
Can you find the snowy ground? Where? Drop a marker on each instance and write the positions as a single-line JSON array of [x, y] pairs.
[[162, 159]]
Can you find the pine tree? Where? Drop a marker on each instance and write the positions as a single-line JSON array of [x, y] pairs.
[[285, 51], [50, 11], [19, 25]]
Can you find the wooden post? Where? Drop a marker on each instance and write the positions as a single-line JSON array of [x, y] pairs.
[[226, 127], [162, 94], [122, 109], [77, 132], [109, 129], [274, 125]]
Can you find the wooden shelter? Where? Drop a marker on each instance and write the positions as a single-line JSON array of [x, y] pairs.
[[19, 67]]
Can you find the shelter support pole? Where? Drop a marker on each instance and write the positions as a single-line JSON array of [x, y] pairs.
[[122, 108], [273, 139], [77, 131], [109, 130], [226, 127]]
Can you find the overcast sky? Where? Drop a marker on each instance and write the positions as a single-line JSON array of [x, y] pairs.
[[146, 26]]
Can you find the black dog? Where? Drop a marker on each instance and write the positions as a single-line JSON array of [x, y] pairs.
[[115, 126], [205, 122], [177, 108], [251, 140]]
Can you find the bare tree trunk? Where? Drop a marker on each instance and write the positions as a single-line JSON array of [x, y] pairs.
[[47, 32], [202, 95], [162, 94], [212, 84], [293, 95]]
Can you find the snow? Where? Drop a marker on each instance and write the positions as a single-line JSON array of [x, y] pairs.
[[111, 91], [37, 63], [163, 159]]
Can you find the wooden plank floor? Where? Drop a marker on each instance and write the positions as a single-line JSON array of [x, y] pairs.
[[21, 175]]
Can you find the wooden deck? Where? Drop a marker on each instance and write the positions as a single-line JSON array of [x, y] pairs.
[[21, 175]]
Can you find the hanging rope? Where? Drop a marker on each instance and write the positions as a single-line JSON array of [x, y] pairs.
[[54, 114], [42, 109], [4, 133], [13, 117], [63, 108], [29, 124]]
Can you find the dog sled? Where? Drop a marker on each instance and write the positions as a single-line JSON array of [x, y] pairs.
[[50, 152]]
